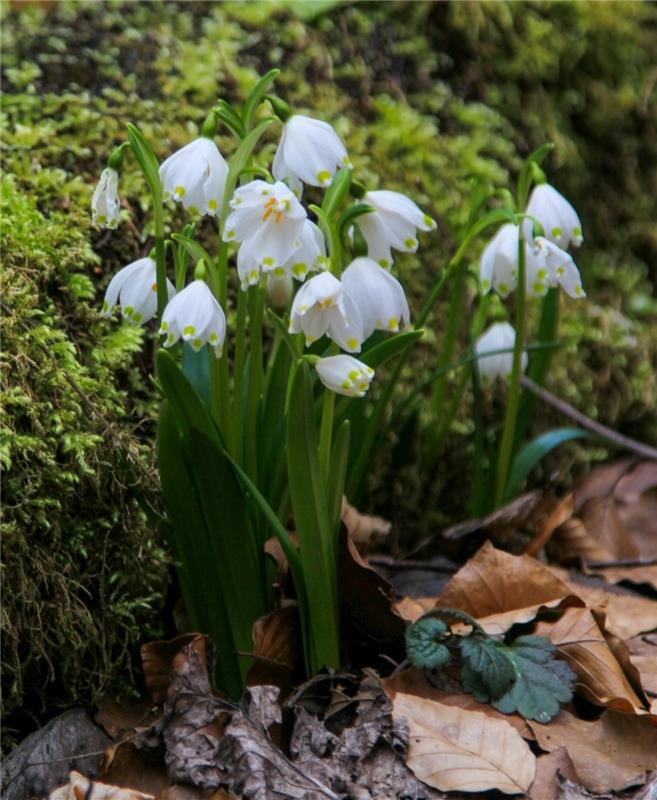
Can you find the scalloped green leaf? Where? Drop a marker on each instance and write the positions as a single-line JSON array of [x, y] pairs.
[[423, 648]]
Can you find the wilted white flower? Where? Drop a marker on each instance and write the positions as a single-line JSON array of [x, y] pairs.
[[321, 306], [380, 298], [546, 265], [135, 288], [500, 336], [345, 375], [558, 218], [269, 220], [196, 176], [105, 200], [309, 151], [195, 316], [394, 224]]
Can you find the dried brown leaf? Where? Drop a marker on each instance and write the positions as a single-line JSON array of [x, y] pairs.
[[414, 682], [609, 754], [131, 768], [157, 663], [631, 574], [451, 748], [551, 768], [500, 590], [643, 656], [277, 649], [80, 787], [363, 528], [511, 527], [600, 678]]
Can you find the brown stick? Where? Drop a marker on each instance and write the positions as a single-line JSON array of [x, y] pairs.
[[641, 449]]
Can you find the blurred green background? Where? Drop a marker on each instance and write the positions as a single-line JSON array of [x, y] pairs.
[[426, 96]]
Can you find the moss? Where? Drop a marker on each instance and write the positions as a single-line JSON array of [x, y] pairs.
[[427, 96]]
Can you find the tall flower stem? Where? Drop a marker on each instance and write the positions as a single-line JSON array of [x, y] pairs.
[[256, 309], [326, 431], [238, 378], [160, 255], [508, 433]]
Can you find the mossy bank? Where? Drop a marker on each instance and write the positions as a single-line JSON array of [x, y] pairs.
[[426, 96]]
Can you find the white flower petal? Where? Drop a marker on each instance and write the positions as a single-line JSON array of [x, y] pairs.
[[195, 316], [105, 203], [345, 375], [557, 216], [195, 176], [379, 297], [310, 151], [499, 336]]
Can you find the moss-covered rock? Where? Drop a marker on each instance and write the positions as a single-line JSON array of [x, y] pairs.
[[426, 96]]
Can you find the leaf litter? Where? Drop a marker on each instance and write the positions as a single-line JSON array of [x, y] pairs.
[[572, 579]]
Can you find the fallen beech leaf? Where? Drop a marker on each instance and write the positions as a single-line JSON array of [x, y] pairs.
[[453, 749], [413, 681], [411, 608], [600, 677], [627, 615], [550, 768], [363, 528], [610, 754], [635, 574], [80, 787], [277, 653], [511, 527], [157, 663], [500, 590], [636, 494], [562, 512], [118, 718], [140, 769], [643, 656], [370, 623]]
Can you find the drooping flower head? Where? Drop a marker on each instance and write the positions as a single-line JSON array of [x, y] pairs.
[[309, 151], [105, 203], [309, 256], [134, 288], [269, 220], [380, 297], [558, 218], [321, 306], [393, 224], [345, 375], [195, 316], [546, 265], [196, 176], [500, 336]]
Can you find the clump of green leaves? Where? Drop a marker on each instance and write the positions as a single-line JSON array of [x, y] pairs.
[[522, 676]]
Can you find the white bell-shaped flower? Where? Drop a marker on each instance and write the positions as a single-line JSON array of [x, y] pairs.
[[309, 151], [310, 256], [380, 297], [105, 204], [500, 336], [321, 306], [394, 224], [134, 288], [345, 375], [499, 264], [195, 316], [271, 220], [558, 218], [560, 267], [196, 176]]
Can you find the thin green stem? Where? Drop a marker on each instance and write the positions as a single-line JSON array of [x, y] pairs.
[[239, 368], [508, 433], [256, 308], [454, 319], [160, 255]]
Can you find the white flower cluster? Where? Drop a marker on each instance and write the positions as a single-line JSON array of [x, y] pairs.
[[277, 239], [546, 263]]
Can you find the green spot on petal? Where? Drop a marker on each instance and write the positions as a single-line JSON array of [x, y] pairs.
[[324, 177], [557, 232], [189, 330]]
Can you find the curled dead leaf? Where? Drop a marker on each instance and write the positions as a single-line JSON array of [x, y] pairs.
[[600, 678], [610, 754], [363, 528], [451, 748]]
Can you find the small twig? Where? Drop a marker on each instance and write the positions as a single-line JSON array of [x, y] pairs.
[[650, 562], [641, 449], [388, 562]]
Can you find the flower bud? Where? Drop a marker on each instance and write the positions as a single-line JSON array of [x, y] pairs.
[[279, 290], [345, 375]]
